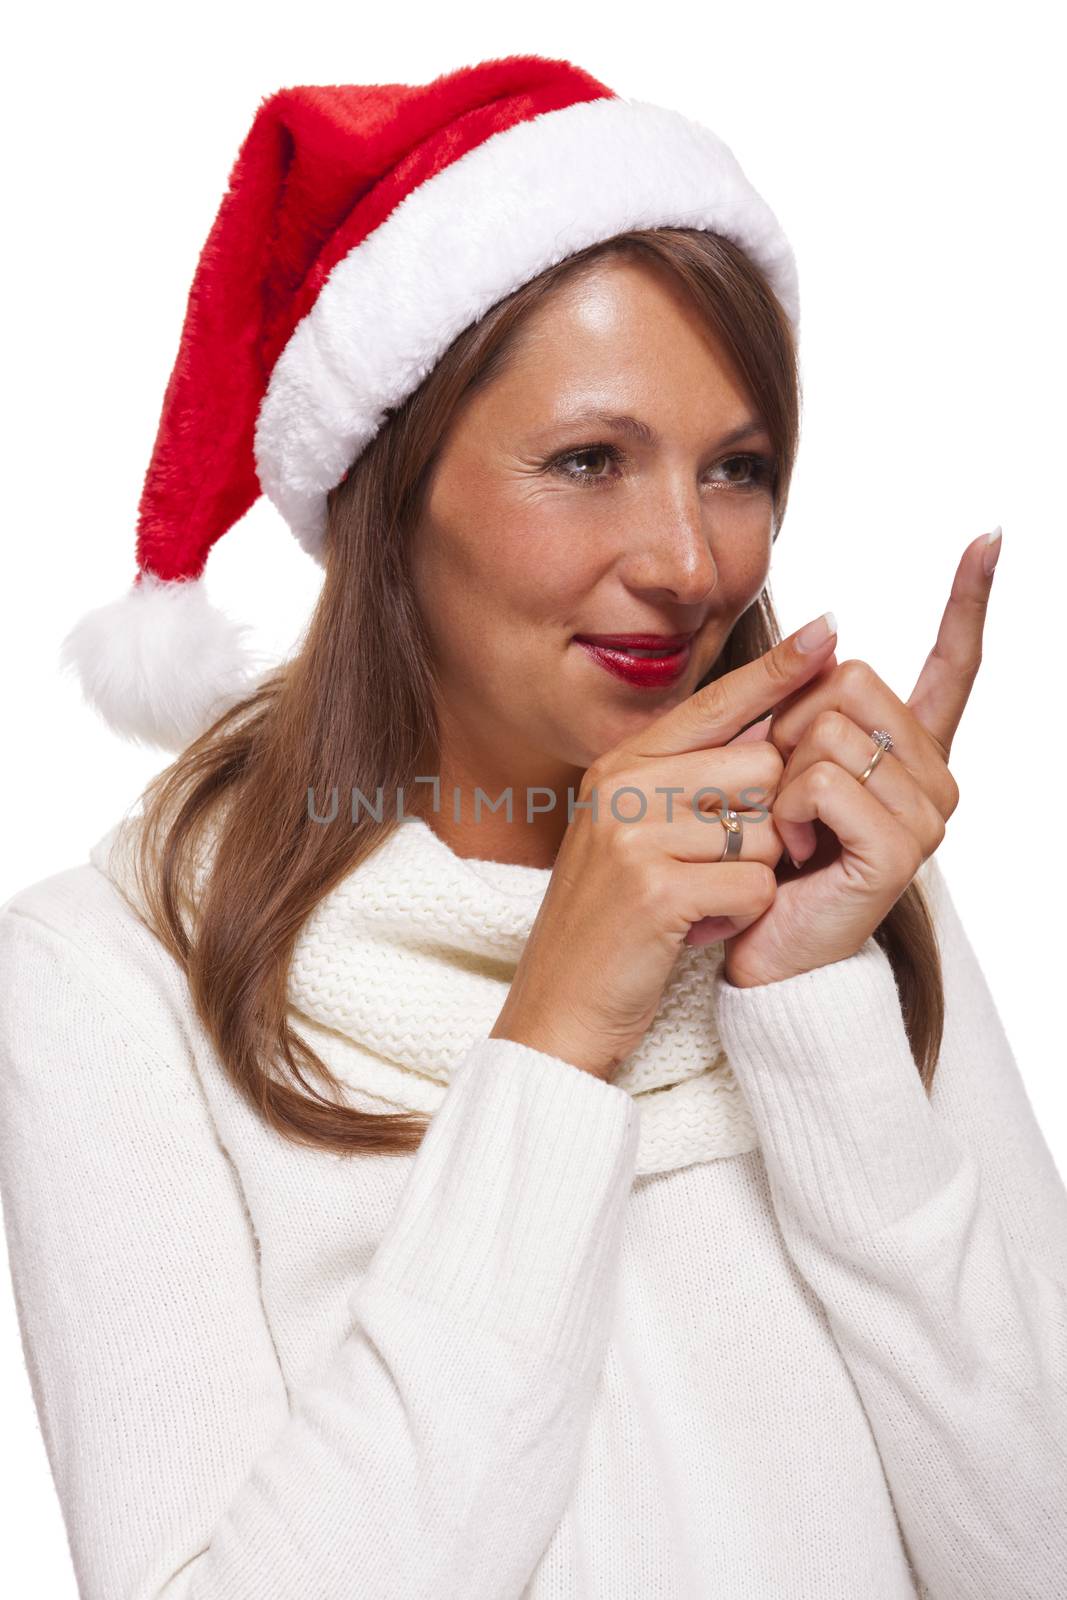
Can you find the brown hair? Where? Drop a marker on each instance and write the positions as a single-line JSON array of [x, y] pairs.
[[333, 716]]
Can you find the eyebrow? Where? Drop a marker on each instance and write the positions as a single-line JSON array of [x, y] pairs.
[[641, 431]]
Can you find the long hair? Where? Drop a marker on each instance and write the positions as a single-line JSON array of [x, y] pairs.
[[334, 717]]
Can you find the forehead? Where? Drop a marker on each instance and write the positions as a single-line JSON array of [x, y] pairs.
[[615, 337]]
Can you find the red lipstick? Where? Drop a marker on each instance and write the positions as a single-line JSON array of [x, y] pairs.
[[658, 671]]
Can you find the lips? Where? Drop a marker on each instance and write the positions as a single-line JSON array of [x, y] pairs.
[[660, 671], [635, 641]]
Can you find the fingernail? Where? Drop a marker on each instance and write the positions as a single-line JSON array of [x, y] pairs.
[[817, 632], [991, 552]]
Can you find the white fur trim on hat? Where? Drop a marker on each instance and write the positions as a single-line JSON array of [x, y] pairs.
[[463, 240], [161, 663]]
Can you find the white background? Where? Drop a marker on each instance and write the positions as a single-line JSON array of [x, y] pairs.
[[915, 158]]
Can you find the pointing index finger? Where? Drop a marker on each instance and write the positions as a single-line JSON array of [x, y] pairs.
[[944, 685], [712, 715]]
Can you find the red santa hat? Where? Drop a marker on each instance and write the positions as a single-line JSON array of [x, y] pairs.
[[363, 228]]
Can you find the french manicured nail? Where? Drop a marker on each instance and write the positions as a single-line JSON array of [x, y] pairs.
[[817, 632], [991, 552]]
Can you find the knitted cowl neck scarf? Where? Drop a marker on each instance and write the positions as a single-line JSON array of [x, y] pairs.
[[407, 962]]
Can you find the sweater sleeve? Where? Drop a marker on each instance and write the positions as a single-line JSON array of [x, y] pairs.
[[934, 1231], [434, 1454]]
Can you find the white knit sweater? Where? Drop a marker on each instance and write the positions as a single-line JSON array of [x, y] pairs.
[[755, 1320]]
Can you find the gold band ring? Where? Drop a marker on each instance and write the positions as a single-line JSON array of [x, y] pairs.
[[883, 742]]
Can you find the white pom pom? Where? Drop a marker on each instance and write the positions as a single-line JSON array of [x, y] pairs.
[[161, 663]]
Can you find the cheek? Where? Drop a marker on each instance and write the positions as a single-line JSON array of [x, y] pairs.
[[494, 602], [516, 569], [744, 564], [546, 578]]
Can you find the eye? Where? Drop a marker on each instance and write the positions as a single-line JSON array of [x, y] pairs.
[[604, 451], [760, 470], [580, 466]]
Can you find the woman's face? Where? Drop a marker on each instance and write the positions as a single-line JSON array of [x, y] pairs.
[[539, 527]]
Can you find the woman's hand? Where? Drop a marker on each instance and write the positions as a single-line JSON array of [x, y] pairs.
[[876, 835], [641, 863]]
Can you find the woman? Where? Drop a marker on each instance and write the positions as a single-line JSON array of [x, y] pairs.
[[628, 1192]]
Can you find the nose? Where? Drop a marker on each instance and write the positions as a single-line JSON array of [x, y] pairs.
[[668, 554]]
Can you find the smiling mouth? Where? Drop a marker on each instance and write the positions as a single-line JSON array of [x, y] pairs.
[[641, 666], [638, 655], [639, 645]]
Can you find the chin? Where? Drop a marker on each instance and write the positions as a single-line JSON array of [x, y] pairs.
[[582, 747], [607, 737]]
